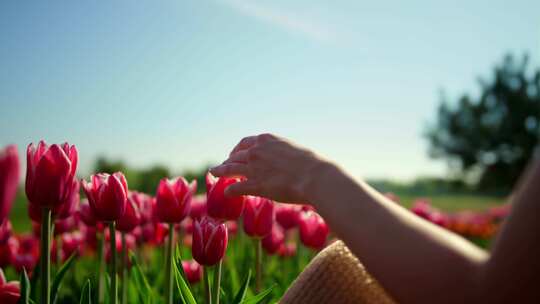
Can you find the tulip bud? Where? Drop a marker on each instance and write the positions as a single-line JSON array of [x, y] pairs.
[[218, 205], [193, 271], [10, 292], [209, 241], [107, 195], [313, 230], [258, 216], [287, 215], [86, 214], [9, 179], [272, 242], [59, 212], [50, 173], [287, 250], [173, 199], [144, 203], [131, 217]]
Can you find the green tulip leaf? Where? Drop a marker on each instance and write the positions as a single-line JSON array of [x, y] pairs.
[[57, 282], [86, 295], [25, 289], [243, 290]]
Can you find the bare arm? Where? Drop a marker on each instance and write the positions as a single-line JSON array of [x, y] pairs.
[[415, 261]]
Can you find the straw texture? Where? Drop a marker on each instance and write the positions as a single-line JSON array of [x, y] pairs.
[[335, 276]]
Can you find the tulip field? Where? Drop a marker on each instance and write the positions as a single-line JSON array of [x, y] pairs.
[[95, 240]]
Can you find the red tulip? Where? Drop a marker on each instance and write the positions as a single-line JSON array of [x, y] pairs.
[[50, 173], [232, 227], [287, 250], [313, 230], [198, 207], [131, 217], [10, 292], [9, 179], [5, 231], [145, 204], [27, 254], [209, 241], [258, 216], [193, 271], [173, 199], [422, 208], [86, 214], [218, 205], [8, 250], [107, 195], [272, 242], [287, 215]]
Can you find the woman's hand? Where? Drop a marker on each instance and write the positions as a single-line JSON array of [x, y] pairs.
[[273, 167]]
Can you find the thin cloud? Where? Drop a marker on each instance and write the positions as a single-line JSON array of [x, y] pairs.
[[285, 20]]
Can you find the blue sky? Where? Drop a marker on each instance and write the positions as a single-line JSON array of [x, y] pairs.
[[180, 82]]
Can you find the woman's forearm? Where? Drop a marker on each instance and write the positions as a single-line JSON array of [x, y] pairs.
[[416, 261]]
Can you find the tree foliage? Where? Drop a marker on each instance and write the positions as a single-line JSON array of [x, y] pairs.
[[494, 134]]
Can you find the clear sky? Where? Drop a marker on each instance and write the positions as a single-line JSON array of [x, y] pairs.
[[180, 82]]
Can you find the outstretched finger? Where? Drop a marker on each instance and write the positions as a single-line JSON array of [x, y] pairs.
[[238, 157], [245, 143], [230, 169], [243, 188]]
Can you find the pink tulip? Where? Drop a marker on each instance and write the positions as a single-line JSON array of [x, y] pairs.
[[198, 207], [258, 216], [313, 230], [287, 215], [218, 205], [144, 203], [287, 250], [193, 271], [9, 179], [10, 292], [272, 242], [209, 241], [86, 214], [107, 195], [50, 173], [422, 208], [131, 217], [173, 199]]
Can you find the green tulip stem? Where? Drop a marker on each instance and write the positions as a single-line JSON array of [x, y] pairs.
[[207, 288], [169, 291], [45, 255], [101, 259], [258, 264], [114, 282], [124, 270], [217, 282]]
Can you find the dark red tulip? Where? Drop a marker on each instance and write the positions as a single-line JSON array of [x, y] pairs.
[[313, 230], [173, 199], [8, 250], [198, 207], [287, 215], [193, 271], [5, 231], [27, 254], [66, 225], [232, 227], [258, 216], [272, 242], [10, 292], [209, 241], [131, 217], [107, 195], [9, 179], [50, 173], [287, 250], [218, 205], [59, 212]]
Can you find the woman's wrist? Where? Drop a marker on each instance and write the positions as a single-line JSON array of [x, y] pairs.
[[318, 176]]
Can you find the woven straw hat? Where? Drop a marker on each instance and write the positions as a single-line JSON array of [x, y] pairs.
[[335, 276]]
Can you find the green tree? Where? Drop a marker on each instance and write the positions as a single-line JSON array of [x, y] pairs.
[[495, 134]]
